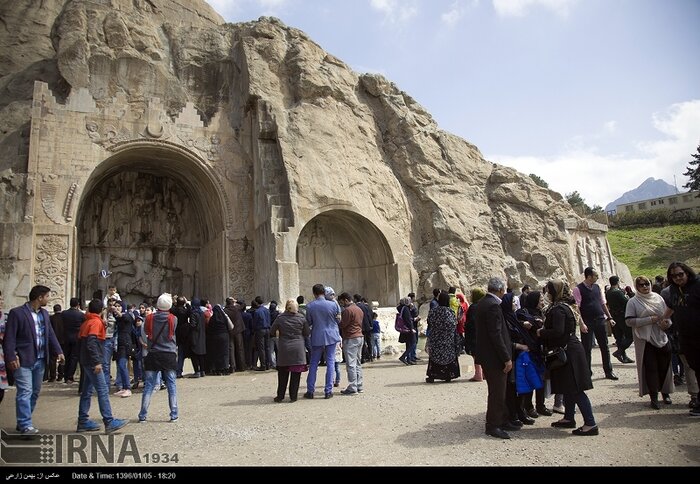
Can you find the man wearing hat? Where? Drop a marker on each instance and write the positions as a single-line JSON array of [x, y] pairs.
[[159, 330]]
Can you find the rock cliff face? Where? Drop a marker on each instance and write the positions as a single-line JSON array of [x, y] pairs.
[[314, 135]]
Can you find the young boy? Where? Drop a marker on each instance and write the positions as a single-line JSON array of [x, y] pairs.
[[376, 337], [91, 343]]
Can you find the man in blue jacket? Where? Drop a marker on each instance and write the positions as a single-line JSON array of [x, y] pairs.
[[29, 343]]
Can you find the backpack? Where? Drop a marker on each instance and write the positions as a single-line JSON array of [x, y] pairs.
[[400, 324]]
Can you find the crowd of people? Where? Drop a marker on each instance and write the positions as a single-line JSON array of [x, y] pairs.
[[514, 342]]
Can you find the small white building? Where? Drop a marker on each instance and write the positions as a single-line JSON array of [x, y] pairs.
[[676, 202]]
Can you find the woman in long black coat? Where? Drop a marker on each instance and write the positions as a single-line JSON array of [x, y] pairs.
[[217, 341], [531, 318], [198, 338], [574, 378]]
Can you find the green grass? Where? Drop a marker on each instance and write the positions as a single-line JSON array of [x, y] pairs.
[[648, 251]]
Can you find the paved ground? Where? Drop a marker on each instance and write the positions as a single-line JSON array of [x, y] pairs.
[[399, 420]]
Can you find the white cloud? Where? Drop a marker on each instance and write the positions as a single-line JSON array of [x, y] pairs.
[[601, 178], [518, 8], [452, 16], [610, 127], [396, 11]]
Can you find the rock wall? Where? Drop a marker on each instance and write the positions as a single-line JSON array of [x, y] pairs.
[[281, 141]]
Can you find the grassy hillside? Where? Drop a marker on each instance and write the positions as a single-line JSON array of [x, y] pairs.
[[649, 250]]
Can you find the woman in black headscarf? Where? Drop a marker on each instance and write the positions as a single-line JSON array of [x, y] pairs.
[[521, 342], [217, 341], [531, 318], [198, 338], [443, 341], [574, 378]]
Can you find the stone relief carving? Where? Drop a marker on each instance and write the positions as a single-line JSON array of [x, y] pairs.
[[49, 194], [106, 136], [51, 265], [312, 239], [48, 201], [592, 254], [581, 254], [136, 209], [139, 276], [69, 202], [209, 148], [604, 255], [313, 236], [591, 250], [145, 230], [240, 268]]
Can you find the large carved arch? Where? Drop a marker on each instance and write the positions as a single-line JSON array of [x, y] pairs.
[[347, 251], [154, 216]]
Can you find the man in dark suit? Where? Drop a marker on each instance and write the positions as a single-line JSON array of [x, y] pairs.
[[29, 343], [494, 352], [72, 320], [54, 370]]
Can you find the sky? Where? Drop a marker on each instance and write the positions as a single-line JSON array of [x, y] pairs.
[[593, 96]]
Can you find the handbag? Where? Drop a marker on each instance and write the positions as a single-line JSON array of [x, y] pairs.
[[555, 358]]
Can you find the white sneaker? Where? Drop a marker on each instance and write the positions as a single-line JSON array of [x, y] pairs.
[[120, 392], [126, 393], [556, 409]]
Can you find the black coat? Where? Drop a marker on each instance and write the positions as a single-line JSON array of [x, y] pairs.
[[125, 326], [72, 320], [559, 331], [182, 330], [198, 334], [493, 345]]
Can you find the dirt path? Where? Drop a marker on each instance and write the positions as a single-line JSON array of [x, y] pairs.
[[399, 420]]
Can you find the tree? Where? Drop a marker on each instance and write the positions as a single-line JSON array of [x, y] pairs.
[[539, 181], [575, 199], [580, 206], [693, 173]]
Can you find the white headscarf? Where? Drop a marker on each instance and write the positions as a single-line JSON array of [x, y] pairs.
[[641, 308]]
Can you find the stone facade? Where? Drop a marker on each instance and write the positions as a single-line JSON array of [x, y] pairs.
[[161, 149]]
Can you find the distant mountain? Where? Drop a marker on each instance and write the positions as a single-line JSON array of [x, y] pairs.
[[651, 188]]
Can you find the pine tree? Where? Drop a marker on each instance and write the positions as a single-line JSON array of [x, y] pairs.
[[539, 181], [693, 172]]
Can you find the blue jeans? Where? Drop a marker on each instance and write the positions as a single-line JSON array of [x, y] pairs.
[[123, 372], [414, 347], [138, 367], [584, 405], [337, 372], [28, 382], [410, 352], [108, 350], [376, 349], [94, 381], [313, 368], [149, 385]]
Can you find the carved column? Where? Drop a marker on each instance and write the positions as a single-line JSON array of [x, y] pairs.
[[53, 262]]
